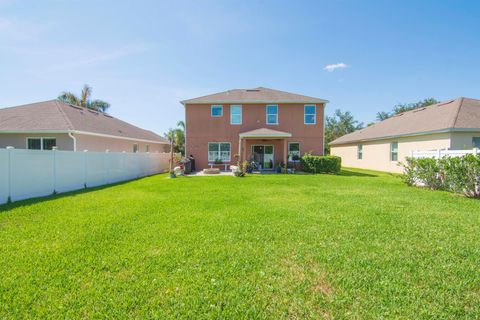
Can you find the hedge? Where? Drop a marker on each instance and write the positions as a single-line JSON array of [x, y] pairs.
[[454, 174], [321, 164]]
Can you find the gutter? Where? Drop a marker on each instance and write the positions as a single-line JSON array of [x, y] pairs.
[[70, 134]]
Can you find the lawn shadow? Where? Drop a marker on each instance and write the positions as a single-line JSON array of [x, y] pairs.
[[27, 202], [349, 173]]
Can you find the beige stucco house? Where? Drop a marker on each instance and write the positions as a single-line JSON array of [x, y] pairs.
[[53, 123], [384, 146]]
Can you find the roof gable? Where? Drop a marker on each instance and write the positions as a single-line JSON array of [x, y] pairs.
[[55, 115], [460, 113], [255, 95]]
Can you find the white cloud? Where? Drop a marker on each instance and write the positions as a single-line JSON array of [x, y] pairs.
[[335, 66]]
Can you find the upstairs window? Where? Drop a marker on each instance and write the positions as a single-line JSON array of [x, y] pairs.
[[41, 143], [360, 152], [272, 114], [394, 151], [216, 111], [147, 148], [135, 147], [235, 114], [310, 112], [219, 151]]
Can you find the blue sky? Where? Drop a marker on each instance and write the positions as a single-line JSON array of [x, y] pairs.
[[145, 56]]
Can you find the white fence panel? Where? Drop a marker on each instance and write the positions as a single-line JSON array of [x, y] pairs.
[[69, 171], [438, 154], [4, 175], [32, 174]]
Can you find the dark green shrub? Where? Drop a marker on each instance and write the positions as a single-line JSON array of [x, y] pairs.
[[320, 164]]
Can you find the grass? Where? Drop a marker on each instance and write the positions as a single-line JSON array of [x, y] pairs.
[[357, 245]]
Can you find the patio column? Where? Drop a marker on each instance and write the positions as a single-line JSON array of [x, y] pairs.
[[240, 149], [285, 154]]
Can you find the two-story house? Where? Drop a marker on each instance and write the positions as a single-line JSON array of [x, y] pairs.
[[260, 124]]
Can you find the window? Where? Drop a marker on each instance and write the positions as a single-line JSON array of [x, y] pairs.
[[216, 111], [235, 114], [293, 151], [394, 151], [41, 143], [360, 152], [272, 114], [219, 151], [309, 115], [135, 147], [476, 142], [147, 148]]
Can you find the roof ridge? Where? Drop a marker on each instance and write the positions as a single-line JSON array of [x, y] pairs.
[[64, 115], [457, 113]]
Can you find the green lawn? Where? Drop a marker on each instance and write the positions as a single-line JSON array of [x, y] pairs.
[[358, 245]]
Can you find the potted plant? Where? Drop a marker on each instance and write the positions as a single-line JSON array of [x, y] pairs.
[[279, 168], [172, 174], [218, 161]]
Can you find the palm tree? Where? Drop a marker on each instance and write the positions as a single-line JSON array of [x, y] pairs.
[[177, 135], [84, 100]]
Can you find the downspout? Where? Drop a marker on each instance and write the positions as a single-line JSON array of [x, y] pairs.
[[70, 134]]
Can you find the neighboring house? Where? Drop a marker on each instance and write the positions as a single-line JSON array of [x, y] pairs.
[[383, 146], [258, 124], [49, 124]]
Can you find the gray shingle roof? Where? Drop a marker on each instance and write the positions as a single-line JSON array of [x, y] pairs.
[[458, 114], [255, 95], [55, 115]]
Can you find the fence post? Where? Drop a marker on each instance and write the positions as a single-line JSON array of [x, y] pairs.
[[475, 151], [85, 175], [54, 150], [10, 150], [439, 153]]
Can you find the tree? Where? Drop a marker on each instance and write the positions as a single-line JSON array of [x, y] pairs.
[[177, 135], [84, 100], [339, 124], [403, 107]]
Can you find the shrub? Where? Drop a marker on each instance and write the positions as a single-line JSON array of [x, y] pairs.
[[454, 174], [321, 164]]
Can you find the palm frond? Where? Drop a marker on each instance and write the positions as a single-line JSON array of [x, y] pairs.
[[69, 97], [86, 93], [98, 105], [181, 125]]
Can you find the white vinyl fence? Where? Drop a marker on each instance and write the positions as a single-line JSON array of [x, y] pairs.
[[33, 173], [438, 154]]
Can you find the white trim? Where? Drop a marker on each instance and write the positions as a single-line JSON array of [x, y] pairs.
[[216, 106], [219, 142], [267, 114], [314, 115], [241, 114], [267, 135], [184, 102], [78, 132], [116, 137], [41, 141]]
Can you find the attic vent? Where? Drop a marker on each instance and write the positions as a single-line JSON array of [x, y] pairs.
[[399, 115], [120, 131], [417, 110], [94, 112], [442, 104], [75, 107], [253, 90], [107, 115]]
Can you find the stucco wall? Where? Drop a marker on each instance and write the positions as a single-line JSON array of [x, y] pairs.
[[19, 141], [463, 140], [94, 143], [201, 128], [376, 154]]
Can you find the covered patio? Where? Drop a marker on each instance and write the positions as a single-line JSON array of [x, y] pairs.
[[267, 147]]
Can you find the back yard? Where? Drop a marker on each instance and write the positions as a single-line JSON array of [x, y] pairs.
[[361, 245]]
